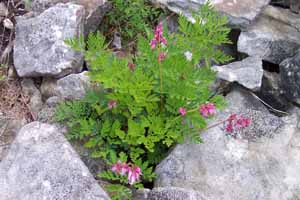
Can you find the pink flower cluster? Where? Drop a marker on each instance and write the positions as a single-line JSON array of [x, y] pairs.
[[236, 123], [161, 57], [133, 172], [131, 66], [182, 111], [112, 104], [158, 37], [207, 110]]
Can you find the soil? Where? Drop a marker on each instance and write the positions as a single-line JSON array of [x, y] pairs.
[[15, 8], [12, 101]]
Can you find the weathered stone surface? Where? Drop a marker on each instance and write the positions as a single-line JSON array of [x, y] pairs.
[[95, 10], [248, 72], [294, 5], [35, 98], [53, 101], [40, 49], [271, 92], [290, 78], [273, 37], [8, 130], [3, 10], [240, 12], [71, 87], [167, 193], [41, 164], [262, 163]]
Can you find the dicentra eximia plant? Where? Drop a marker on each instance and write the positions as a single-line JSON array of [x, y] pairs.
[[150, 102]]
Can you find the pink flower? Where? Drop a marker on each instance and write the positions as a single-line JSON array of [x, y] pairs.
[[242, 122], [207, 109], [161, 57], [153, 43], [120, 168], [182, 111], [236, 123], [134, 173], [112, 104], [131, 66], [229, 128], [232, 117], [158, 37]]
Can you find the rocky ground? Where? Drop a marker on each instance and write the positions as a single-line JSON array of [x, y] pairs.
[[263, 162]]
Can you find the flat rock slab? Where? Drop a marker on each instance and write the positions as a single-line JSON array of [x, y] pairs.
[[274, 36], [71, 87], [168, 193], [240, 12], [39, 48], [41, 164], [290, 78], [248, 72], [261, 163]]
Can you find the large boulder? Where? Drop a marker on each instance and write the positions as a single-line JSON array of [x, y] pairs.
[[41, 164], [167, 193], [40, 49], [290, 78], [248, 72], [241, 13], [95, 10], [262, 162], [274, 36]]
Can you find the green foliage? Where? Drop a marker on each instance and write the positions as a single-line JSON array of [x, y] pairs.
[[118, 192], [203, 37], [131, 17], [145, 122], [2, 76]]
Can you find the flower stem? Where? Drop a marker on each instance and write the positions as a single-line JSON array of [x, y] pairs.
[[214, 125], [161, 83]]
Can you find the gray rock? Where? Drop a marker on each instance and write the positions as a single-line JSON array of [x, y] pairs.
[[46, 115], [294, 5], [248, 72], [39, 6], [71, 87], [35, 98], [8, 130], [168, 193], [3, 10], [290, 78], [271, 92], [53, 101], [40, 49], [41, 164], [262, 163], [95, 10], [274, 36], [241, 13]]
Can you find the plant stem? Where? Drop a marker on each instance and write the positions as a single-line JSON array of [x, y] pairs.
[[161, 82], [214, 125]]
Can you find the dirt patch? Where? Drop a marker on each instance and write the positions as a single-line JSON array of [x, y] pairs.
[[13, 103], [9, 10]]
